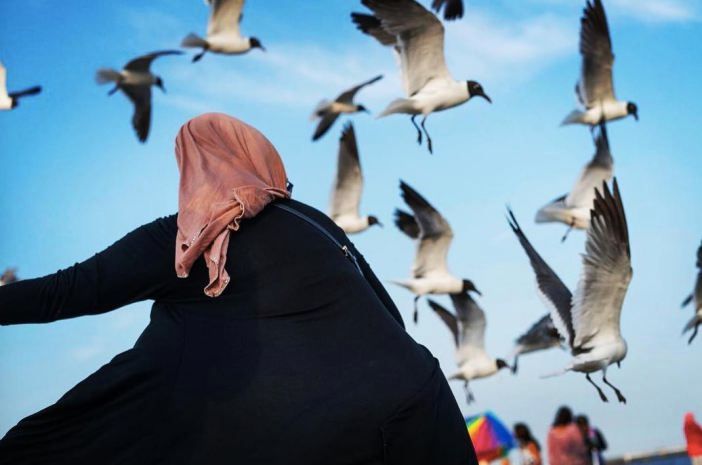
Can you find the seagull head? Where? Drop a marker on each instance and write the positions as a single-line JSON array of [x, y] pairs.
[[468, 286], [476, 90], [632, 109], [374, 220], [159, 83], [501, 364], [255, 43]]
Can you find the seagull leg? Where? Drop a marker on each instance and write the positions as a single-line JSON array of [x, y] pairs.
[[427, 134], [620, 397], [619, 364], [599, 390], [470, 398], [419, 131], [415, 315], [694, 333], [570, 228], [514, 365]]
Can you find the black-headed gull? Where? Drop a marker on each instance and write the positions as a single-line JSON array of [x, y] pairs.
[[10, 100], [696, 298], [589, 321]]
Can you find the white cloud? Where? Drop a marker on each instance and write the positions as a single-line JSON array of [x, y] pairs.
[[658, 10]]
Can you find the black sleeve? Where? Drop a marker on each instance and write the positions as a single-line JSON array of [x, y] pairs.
[[378, 287], [601, 440], [137, 267]]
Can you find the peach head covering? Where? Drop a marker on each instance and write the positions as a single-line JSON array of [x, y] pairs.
[[228, 171]]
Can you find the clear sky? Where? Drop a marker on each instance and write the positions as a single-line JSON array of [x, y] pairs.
[[74, 178]]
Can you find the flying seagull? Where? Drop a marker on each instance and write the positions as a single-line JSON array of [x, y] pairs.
[[453, 9], [10, 100], [574, 208], [223, 35], [695, 297], [346, 196], [417, 36], [468, 329], [328, 111], [8, 276], [589, 321], [541, 336], [430, 274], [135, 80], [595, 89]]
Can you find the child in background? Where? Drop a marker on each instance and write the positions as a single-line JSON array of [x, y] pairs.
[[529, 448]]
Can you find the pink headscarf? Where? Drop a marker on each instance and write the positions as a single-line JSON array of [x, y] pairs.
[[228, 171]]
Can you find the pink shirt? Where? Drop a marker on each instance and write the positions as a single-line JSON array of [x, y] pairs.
[[566, 446]]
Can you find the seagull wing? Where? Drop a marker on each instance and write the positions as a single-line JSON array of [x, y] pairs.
[[143, 63], [369, 24], [453, 9], [407, 223], [471, 326], [3, 81], [600, 168], [435, 234], [606, 273], [447, 317], [324, 124], [420, 40], [224, 17], [551, 289], [347, 96], [541, 332], [699, 257], [595, 84], [141, 119], [349, 179]]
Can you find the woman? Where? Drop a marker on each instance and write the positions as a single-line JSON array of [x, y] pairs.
[[565, 443], [292, 353], [595, 441], [529, 447], [693, 438]]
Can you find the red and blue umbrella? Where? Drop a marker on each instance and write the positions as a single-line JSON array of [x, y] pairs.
[[491, 438]]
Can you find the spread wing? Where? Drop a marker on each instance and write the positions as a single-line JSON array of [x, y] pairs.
[[406, 223], [143, 63], [369, 24], [606, 273], [225, 16], [551, 289], [447, 317], [420, 40], [595, 84], [141, 119], [349, 179], [347, 96], [435, 234], [471, 325], [324, 124], [453, 9], [600, 168], [541, 333]]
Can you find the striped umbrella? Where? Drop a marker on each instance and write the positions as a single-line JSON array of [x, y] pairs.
[[491, 438]]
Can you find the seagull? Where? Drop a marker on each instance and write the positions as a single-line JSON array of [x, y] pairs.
[[696, 296], [574, 208], [541, 336], [453, 9], [430, 274], [9, 101], [9, 276], [328, 111], [589, 321], [135, 80], [468, 329], [417, 36], [346, 195], [595, 89], [223, 35]]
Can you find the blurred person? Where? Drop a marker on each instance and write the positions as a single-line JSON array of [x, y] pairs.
[[271, 340], [693, 437], [529, 447], [594, 439], [566, 445]]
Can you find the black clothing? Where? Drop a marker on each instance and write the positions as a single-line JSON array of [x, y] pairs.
[[302, 360]]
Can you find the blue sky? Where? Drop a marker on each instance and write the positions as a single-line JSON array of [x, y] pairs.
[[74, 178]]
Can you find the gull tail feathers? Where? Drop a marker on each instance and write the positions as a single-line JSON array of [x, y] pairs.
[[574, 117], [105, 75], [400, 105], [404, 284], [560, 372], [694, 321], [193, 40]]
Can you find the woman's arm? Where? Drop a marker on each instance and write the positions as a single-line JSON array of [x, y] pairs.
[[137, 267]]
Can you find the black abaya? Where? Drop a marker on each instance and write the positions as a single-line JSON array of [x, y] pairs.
[[302, 360]]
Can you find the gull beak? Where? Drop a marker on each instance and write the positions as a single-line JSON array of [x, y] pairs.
[[636, 116], [485, 97]]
